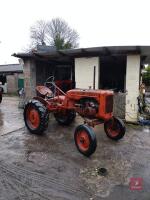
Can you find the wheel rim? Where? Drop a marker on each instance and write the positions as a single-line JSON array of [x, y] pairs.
[[83, 141], [33, 118], [113, 128]]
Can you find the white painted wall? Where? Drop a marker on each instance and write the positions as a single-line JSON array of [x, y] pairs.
[[84, 69], [132, 86]]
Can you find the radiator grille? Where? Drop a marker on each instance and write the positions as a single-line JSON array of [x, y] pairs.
[[109, 104]]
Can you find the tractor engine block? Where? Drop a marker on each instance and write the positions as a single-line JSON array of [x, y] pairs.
[[87, 108]]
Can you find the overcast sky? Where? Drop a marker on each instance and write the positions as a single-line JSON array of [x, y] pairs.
[[98, 22]]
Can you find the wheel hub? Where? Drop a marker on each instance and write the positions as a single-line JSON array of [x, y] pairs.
[[33, 118], [113, 128], [83, 141]]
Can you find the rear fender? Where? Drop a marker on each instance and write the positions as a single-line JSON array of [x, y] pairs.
[[45, 103]]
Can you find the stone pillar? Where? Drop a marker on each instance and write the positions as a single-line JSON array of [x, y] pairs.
[[132, 87], [29, 69]]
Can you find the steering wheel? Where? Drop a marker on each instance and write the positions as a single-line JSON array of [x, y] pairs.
[[49, 83], [49, 80]]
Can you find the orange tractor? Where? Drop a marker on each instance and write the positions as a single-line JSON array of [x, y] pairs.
[[94, 106]]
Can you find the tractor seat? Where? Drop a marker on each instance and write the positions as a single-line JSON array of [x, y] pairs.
[[44, 91]]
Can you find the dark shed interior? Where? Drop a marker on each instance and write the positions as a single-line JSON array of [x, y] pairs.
[[61, 72], [113, 73]]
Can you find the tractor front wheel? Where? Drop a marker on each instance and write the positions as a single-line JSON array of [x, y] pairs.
[[65, 117], [36, 117], [85, 140], [114, 128]]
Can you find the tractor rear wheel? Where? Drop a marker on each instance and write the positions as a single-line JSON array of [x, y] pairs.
[[114, 128], [85, 140], [66, 117], [36, 117]]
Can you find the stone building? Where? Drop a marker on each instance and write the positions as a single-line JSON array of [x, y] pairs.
[[115, 67], [11, 76]]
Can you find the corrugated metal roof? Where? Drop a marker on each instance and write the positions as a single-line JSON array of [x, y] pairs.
[[80, 52], [11, 68]]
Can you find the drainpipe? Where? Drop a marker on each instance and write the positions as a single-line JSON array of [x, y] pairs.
[[94, 74]]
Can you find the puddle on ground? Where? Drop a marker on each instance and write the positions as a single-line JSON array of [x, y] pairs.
[[118, 173]]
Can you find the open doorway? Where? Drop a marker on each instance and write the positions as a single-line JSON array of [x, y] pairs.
[[63, 77], [62, 74], [3, 83], [113, 76], [3, 79], [113, 73]]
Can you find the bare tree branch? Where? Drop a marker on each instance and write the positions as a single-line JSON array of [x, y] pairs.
[[55, 32], [38, 32]]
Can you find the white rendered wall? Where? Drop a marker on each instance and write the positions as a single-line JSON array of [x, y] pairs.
[[84, 69], [132, 87]]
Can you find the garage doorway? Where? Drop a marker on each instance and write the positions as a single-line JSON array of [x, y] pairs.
[[113, 73], [62, 74], [3, 79], [113, 76]]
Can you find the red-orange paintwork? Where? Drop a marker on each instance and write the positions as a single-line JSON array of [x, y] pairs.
[[33, 118], [68, 101], [43, 90], [83, 140]]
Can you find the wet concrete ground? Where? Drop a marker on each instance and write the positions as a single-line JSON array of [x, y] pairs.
[[50, 167]]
